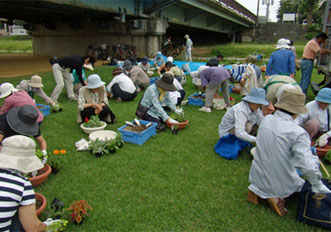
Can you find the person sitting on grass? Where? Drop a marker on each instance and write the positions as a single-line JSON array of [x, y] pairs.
[[18, 202], [162, 68], [93, 100], [243, 118], [137, 75], [158, 60], [145, 66], [317, 120], [35, 86], [156, 95], [282, 146], [121, 87], [22, 121], [211, 80]]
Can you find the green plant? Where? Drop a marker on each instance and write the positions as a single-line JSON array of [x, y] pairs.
[[180, 117], [94, 121], [328, 156], [98, 147], [56, 161], [57, 225], [40, 154], [79, 210], [111, 145], [119, 140]]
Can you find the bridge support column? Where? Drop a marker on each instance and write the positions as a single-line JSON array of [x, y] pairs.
[[145, 34]]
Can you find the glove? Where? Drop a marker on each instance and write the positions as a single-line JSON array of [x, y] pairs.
[[44, 160], [172, 120], [318, 187], [50, 221], [323, 140], [178, 110]]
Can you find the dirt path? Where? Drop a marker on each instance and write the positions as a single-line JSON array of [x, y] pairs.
[[12, 65]]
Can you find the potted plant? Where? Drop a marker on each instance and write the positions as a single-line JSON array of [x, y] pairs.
[[182, 122], [98, 147], [93, 124], [56, 225], [79, 210], [41, 203], [111, 146], [40, 176], [56, 160], [119, 140]]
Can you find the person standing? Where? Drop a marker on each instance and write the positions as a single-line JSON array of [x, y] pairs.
[[188, 47], [121, 87], [310, 52], [282, 146], [211, 80], [61, 74], [281, 61]]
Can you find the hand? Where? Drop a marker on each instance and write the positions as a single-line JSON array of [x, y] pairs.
[[323, 140], [319, 187], [178, 110], [172, 120], [242, 82]]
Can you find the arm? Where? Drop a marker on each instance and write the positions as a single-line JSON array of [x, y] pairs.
[[6, 106], [42, 142], [29, 220], [160, 68], [292, 65], [79, 73], [114, 81], [240, 127]]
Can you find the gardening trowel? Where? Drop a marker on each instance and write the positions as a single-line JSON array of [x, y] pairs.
[[129, 123], [137, 122]]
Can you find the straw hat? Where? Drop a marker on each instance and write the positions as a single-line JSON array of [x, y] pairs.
[[18, 152], [94, 81], [324, 95], [23, 120], [36, 82], [88, 66], [282, 43], [293, 101], [257, 96], [6, 89], [166, 82]]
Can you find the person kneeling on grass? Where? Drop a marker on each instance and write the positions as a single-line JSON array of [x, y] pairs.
[[156, 95], [18, 202], [35, 86], [121, 87], [137, 75], [242, 119], [282, 146], [93, 100], [317, 120]]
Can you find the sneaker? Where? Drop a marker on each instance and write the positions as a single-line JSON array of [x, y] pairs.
[[205, 109]]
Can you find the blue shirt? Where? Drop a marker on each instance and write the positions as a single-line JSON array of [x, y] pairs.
[[281, 61], [151, 100]]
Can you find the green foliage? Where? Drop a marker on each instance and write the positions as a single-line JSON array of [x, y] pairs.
[[58, 226], [56, 161], [328, 156], [39, 154], [98, 147], [94, 121]]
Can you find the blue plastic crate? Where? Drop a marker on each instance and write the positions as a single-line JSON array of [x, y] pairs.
[[230, 88], [196, 101], [153, 79], [45, 110], [138, 138]]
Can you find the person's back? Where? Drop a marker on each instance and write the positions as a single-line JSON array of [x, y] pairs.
[[283, 63], [137, 74]]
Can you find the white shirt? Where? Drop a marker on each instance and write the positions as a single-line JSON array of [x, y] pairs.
[[282, 146], [314, 111], [124, 82], [174, 95], [236, 117], [189, 43]]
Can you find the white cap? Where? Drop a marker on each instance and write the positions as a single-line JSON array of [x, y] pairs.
[[282, 43], [6, 89]]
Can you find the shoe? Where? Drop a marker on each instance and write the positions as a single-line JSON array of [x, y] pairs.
[[278, 206], [252, 197], [118, 99], [205, 109], [315, 88], [73, 98]]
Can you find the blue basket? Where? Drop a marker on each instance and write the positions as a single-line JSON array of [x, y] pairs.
[[230, 88], [196, 101], [153, 79], [45, 110], [138, 138]]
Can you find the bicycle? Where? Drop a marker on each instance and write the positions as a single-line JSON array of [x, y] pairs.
[[124, 51]]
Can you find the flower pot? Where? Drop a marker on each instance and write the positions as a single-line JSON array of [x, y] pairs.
[[41, 203], [321, 151], [181, 125], [89, 130], [103, 135], [41, 176]]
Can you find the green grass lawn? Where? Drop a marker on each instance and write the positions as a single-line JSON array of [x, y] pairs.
[[10, 44], [170, 183]]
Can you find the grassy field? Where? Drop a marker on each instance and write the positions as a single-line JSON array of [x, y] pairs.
[[170, 183], [12, 44]]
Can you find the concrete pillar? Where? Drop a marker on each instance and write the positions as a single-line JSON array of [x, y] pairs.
[[145, 34]]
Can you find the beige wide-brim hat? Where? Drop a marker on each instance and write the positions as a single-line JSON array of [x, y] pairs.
[[18, 152], [6, 89], [36, 82], [293, 101]]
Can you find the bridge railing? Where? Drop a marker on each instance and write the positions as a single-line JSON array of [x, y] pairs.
[[239, 9]]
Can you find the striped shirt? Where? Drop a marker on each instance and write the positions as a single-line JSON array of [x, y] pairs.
[[236, 117], [15, 191], [238, 71]]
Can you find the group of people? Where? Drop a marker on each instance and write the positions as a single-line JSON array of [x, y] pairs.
[[272, 114]]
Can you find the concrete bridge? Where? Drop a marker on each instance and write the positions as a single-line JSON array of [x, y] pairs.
[[66, 27]]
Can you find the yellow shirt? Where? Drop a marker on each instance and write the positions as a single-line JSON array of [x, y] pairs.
[[311, 49]]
